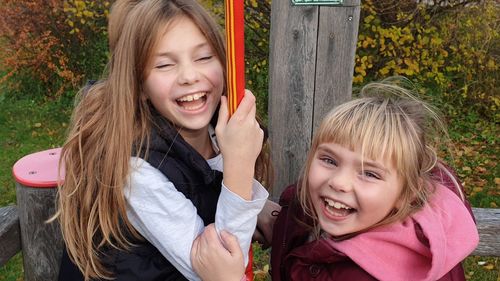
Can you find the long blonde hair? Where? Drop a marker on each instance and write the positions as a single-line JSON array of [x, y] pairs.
[[110, 123], [386, 122]]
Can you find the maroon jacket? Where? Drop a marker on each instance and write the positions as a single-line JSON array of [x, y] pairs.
[[294, 258]]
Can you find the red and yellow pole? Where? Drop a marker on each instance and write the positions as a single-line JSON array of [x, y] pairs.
[[235, 63], [235, 52]]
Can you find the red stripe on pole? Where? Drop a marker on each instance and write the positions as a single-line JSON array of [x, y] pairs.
[[235, 52]]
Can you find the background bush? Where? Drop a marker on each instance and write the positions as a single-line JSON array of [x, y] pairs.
[[454, 47], [50, 46]]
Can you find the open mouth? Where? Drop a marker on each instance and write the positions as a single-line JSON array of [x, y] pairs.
[[193, 101], [337, 209]]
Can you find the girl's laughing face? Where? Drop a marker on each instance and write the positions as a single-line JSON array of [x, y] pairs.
[[186, 79], [351, 193]]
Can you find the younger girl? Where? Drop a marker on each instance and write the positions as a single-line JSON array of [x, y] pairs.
[[375, 203], [143, 162]]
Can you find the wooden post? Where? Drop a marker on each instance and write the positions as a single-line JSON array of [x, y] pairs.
[[312, 50], [42, 244]]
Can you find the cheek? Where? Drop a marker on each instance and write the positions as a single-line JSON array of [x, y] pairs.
[[157, 87], [312, 178], [216, 76]]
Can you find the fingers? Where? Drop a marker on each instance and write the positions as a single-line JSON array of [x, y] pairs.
[[231, 243], [247, 106]]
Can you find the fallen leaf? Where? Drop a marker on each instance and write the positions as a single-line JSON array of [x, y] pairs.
[[489, 267]]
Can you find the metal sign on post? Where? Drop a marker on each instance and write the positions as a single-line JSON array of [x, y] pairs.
[[317, 2]]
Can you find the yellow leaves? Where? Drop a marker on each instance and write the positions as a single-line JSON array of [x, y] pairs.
[[384, 71], [261, 274], [80, 5], [88, 14], [491, 65], [369, 18], [489, 267]]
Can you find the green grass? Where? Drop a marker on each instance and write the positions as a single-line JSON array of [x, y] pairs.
[[30, 124]]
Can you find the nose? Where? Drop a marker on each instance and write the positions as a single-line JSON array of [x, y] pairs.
[[341, 181], [188, 74]]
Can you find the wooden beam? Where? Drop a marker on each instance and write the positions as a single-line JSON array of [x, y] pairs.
[[488, 225], [10, 237]]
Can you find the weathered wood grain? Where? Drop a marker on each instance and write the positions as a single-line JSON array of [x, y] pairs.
[[311, 66], [41, 242], [292, 59], [10, 235], [337, 38], [488, 225]]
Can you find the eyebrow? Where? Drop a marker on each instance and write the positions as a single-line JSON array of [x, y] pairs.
[[195, 48], [372, 164], [365, 163]]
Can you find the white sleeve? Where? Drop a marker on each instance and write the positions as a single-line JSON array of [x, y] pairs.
[[238, 216], [167, 219]]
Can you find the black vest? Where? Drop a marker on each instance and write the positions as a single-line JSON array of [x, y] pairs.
[[191, 175]]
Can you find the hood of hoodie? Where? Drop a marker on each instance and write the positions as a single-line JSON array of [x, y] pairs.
[[446, 234]]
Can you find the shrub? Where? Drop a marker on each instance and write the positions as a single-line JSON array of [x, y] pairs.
[[452, 47], [51, 43]]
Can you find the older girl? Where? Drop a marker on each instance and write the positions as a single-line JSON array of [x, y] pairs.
[[148, 161]]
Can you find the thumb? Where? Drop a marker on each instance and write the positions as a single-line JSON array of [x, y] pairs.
[[231, 243]]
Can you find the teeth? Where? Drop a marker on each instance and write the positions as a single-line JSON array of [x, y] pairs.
[[335, 204], [192, 97]]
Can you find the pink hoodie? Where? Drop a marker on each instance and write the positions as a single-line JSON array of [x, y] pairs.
[[400, 255]]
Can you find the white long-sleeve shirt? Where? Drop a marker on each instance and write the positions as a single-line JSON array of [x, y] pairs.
[[169, 221]]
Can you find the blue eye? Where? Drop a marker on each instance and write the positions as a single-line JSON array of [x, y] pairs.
[[328, 160], [371, 174]]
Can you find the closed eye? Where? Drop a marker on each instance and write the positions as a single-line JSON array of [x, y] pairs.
[[163, 66], [205, 58]]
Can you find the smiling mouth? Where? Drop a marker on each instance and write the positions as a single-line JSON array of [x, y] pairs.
[[337, 209], [193, 101]]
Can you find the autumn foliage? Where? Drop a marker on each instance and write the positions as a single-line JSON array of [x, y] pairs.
[[52, 43], [452, 45]]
